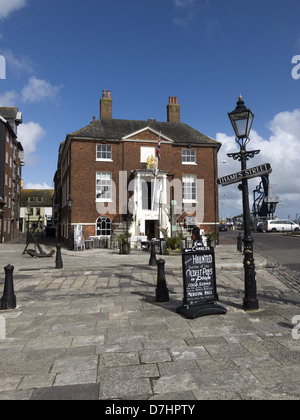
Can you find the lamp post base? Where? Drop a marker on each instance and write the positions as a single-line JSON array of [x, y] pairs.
[[251, 304]]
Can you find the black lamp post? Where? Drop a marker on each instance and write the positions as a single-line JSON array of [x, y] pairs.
[[70, 204], [28, 215], [241, 119]]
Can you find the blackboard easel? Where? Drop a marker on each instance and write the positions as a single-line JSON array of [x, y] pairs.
[[199, 283]]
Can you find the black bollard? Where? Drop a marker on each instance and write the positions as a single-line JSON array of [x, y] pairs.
[[58, 261], [239, 242], [8, 300], [162, 292], [152, 260]]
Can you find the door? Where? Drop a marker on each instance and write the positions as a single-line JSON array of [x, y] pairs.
[[151, 229]]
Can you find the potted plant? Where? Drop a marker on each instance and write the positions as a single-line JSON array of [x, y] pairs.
[[174, 243], [124, 240], [211, 237]]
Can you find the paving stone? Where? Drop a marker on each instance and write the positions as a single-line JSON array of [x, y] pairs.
[[176, 383], [119, 359], [118, 389], [75, 363], [154, 356], [59, 393], [232, 379]]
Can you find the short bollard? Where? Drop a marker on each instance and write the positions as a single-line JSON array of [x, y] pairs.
[[8, 300], [239, 242], [162, 292], [152, 260], [58, 261]]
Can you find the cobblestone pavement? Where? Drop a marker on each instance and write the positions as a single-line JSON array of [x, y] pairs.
[[93, 330]]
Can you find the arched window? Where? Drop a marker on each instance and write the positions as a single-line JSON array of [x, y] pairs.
[[103, 226]]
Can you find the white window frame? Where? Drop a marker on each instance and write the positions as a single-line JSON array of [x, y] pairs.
[[189, 188], [189, 157], [102, 151], [104, 224], [103, 187]]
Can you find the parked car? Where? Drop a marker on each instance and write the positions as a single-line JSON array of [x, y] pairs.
[[222, 227], [280, 226], [259, 227]]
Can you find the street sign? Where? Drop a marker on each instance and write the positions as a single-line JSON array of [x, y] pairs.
[[259, 170]]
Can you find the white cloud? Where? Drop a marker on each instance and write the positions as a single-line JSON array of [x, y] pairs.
[[35, 91], [38, 90], [43, 186], [29, 135], [281, 150], [9, 6], [188, 12], [183, 3], [18, 65], [8, 98]]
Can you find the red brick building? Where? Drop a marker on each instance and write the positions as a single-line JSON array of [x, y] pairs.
[[11, 161], [110, 170]]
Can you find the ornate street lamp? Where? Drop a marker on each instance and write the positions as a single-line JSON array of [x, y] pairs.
[[241, 119], [28, 215], [70, 204]]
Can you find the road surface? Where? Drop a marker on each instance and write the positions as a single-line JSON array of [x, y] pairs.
[[284, 249]]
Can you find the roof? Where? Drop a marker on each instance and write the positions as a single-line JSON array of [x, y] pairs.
[[45, 195], [11, 114], [116, 129]]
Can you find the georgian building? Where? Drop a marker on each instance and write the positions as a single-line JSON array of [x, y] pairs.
[[11, 162], [111, 171]]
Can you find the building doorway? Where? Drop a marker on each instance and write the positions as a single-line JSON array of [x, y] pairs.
[[151, 229]]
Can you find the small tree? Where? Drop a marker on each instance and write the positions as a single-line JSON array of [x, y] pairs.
[[174, 242]]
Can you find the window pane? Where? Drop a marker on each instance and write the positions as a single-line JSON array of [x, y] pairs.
[[104, 152], [103, 185], [104, 226], [188, 156], [189, 187]]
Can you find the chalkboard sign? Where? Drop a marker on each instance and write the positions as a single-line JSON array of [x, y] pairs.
[[199, 275], [199, 282]]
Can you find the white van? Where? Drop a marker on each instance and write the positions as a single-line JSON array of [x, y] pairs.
[[280, 226]]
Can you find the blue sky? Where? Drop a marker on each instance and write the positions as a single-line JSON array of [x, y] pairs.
[[61, 54]]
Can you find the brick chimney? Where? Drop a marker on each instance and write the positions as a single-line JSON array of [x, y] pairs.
[[173, 110], [106, 105]]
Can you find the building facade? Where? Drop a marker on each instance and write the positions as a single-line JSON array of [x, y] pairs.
[[36, 210], [11, 162], [117, 182]]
